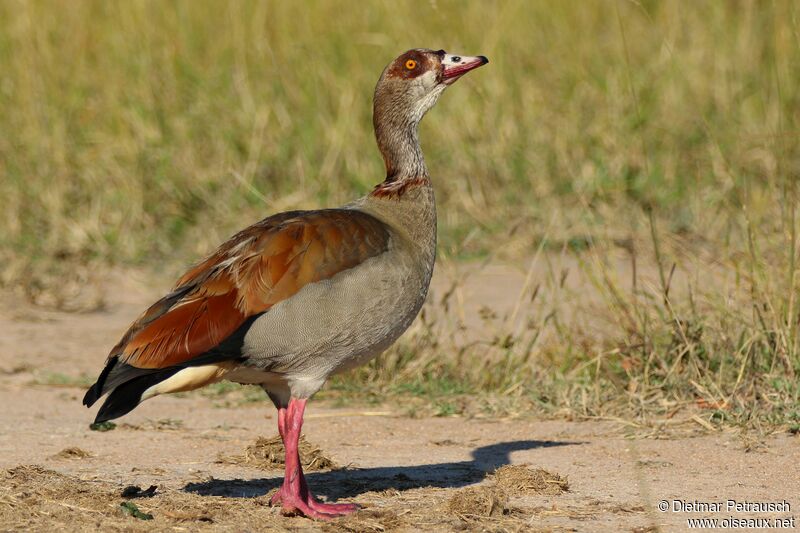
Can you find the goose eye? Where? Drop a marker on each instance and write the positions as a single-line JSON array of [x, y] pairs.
[[411, 64]]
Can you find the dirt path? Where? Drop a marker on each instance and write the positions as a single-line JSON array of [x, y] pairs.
[[410, 474]]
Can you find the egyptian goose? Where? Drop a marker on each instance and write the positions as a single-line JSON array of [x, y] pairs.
[[301, 295]]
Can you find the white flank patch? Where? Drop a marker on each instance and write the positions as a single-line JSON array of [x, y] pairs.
[[187, 379]]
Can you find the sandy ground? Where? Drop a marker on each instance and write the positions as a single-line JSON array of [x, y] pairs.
[[409, 474]]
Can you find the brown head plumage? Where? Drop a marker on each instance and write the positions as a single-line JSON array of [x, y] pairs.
[[409, 86]]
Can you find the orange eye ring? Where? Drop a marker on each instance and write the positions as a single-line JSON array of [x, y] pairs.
[[411, 64]]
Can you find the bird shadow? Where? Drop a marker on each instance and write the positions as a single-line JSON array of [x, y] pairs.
[[351, 482]]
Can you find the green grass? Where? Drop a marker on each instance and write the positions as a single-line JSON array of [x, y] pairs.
[[58, 379], [143, 133]]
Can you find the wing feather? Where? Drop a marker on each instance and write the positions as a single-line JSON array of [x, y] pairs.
[[257, 268]]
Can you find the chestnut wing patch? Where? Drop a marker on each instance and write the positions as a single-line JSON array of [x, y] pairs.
[[257, 268]]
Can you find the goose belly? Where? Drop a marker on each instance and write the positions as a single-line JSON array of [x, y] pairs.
[[339, 323]]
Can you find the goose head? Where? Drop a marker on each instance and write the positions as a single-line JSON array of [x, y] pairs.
[[409, 86], [412, 83]]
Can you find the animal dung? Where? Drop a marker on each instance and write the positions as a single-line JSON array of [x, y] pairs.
[[132, 491]]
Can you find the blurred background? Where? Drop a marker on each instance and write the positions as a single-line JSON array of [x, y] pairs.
[[632, 164]]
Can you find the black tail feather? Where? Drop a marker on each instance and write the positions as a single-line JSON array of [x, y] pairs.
[[96, 390], [113, 375], [125, 397], [126, 383]]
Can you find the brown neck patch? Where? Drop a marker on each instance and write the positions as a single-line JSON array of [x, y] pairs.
[[396, 189]]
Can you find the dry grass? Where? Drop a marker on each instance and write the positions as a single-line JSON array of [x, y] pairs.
[[73, 452], [34, 498], [661, 136], [599, 336], [269, 454], [368, 521], [510, 481], [520, 479], [477, 502]]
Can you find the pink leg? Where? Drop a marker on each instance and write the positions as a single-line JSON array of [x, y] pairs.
[[294, 495], [282, 422], [276, 498]]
